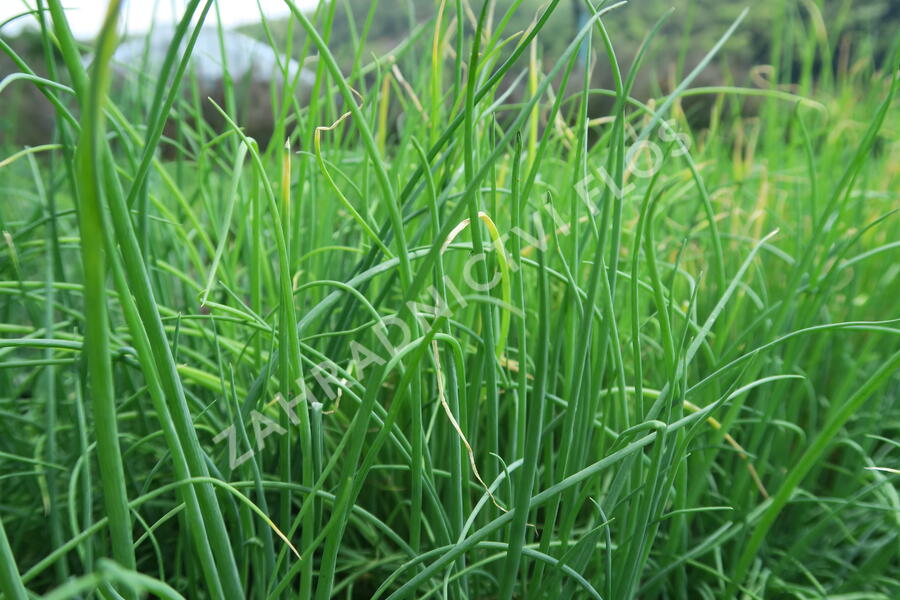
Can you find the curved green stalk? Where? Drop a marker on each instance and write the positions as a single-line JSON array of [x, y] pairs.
[[93, 258]]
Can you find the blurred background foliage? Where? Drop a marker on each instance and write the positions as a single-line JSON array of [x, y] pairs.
[[800, 46], [865, 29]]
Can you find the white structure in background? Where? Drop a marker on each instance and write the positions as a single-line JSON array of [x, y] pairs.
[[244, 57], [255, 69]]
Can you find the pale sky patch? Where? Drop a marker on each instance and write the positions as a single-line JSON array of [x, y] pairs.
[[85, 16]]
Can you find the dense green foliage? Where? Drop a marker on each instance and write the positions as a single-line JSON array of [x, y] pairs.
[[447, 342]]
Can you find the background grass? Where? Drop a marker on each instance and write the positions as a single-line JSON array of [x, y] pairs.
[[688, 390]]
